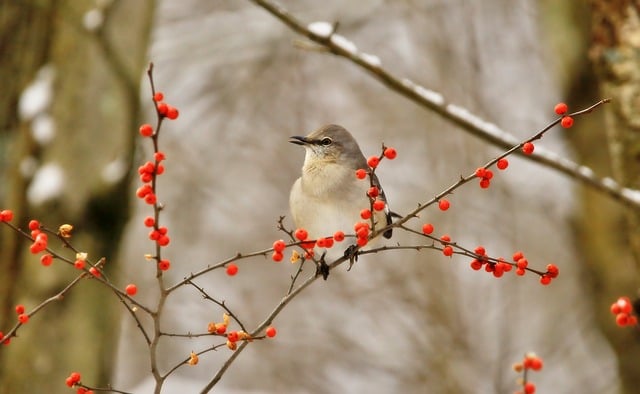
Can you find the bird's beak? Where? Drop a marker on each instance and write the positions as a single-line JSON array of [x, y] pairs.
[[298, 140]]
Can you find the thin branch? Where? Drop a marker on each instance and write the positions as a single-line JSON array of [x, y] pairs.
[[436, 102]]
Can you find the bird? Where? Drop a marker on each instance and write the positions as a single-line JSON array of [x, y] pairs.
[[328, 196]]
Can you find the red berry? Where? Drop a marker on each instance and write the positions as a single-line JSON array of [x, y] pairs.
[[23, 318], [232, 336], [94, 271], [517, 256], [162, 108], [566, 122], [379, 205], [522, 263], [6, 215], [46, 260], [445, 238], [447, 250], [480, 171], [362, 241], [131, 289], [536, 363], [163, 240], [172, 112], [146, 130], [301, 234], [338, 236], [150, 199], [485, 183], [19, 309], [622, 319], [390, 153], [373, 161], [444, 204], [502, 163], [164, 265], [328, 242], [34, 225], [480, 250], [69, 382], [561, 108], [552, 271], [488, 174], [615, 308], [529, 388], [361, 173], [232, 269], [427, 228], [527, 148], [75, 377], [373, 192], [158, 96], [279, 245], [476, 265], [79, 264], [270, 332], [545, 280], [160, 169], [159, 156], [365, 214], [276, 256], [520, 271], [149, 221], [625, 304]]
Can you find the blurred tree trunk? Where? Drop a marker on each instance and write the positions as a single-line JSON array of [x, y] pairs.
[[615, 53], [95, 109]]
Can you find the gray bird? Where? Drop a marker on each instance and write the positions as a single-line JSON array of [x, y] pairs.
[[328, 197]]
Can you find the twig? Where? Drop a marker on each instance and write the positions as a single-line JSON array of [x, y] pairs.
[[458, 115]]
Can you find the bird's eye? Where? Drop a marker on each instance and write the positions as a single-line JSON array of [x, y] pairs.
[[326, 141]]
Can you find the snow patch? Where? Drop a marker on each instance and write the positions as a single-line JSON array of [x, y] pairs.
[[47, 184], [36, 97], [322, 29], [43, 129], [344, 44], [114, 171]]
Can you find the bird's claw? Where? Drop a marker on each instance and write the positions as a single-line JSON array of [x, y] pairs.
[[322, 268], [352, 254]]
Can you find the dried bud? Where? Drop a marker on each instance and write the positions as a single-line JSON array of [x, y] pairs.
[[65, 230], [193, 359]]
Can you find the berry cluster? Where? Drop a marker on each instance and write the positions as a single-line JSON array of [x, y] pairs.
[[623, 309], [531, 362]]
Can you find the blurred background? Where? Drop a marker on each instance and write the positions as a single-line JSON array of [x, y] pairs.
[[75, 93]]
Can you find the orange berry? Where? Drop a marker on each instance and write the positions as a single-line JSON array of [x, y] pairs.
[[232, 269]]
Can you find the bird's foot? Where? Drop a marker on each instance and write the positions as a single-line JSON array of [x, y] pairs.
[[352, 254], [322, 268]]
